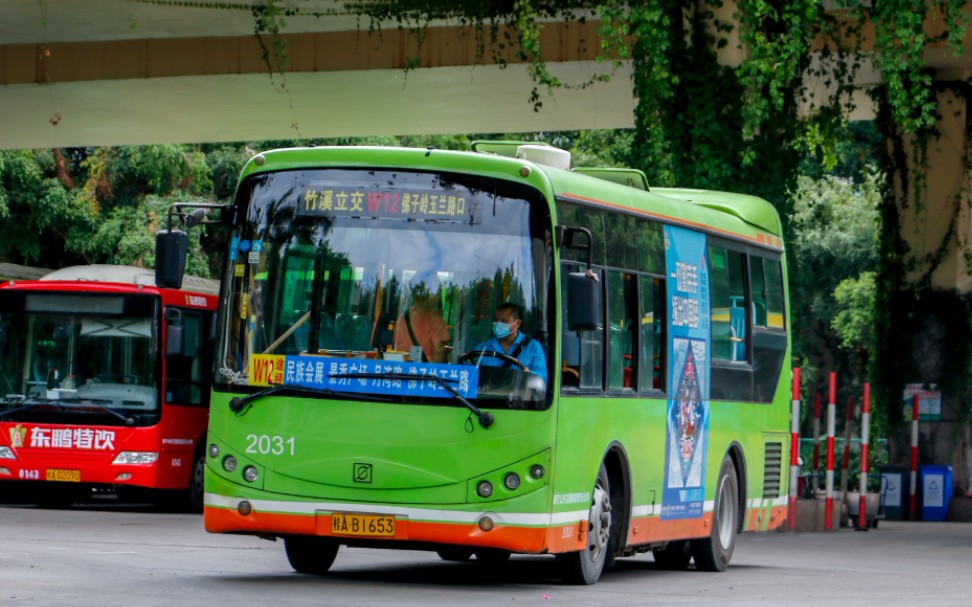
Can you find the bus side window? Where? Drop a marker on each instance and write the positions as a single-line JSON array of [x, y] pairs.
[[728, 304], [582, 364], [651, 364], [774, 294], [185, 381], [623, 328]]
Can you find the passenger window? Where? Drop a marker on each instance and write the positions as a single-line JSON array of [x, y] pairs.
[[773, 271], [583, 352], [623, 329], [652, 361], [767, 281], [758, 283], [593, 220], [619, 235], [728, 304], [651, 247], [186, 380]]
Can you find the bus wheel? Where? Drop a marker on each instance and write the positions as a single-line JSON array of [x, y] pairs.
[[456, 555], [194, 495], [714, 552], [492, 556], [48, 499], [585, 566], [310, 555], [673, 557]]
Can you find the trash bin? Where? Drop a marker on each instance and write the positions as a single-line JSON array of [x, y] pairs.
[[936, 492], [895, 491]]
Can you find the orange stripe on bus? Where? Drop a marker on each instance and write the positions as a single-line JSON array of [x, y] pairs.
[[646, 530], [515, 539]]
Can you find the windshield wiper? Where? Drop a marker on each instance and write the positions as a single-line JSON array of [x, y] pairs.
[[485, 418], [239, 403], [101, 403], [28, 402]]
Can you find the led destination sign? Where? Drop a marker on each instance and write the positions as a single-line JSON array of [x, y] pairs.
[[412, 204]]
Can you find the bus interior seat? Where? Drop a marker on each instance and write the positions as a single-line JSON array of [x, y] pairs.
[[476, 331], [570, 369], [737, 320]]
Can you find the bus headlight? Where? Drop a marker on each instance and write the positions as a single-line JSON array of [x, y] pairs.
[[229, 463], [512, 481], [214, 450], [250, 473], [484, 489], [537, 471], [136, 457], [7, 453]]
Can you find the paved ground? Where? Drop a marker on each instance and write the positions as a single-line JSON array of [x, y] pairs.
[[130, 557]]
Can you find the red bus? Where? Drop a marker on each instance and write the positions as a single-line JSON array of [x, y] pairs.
[[104, 385]]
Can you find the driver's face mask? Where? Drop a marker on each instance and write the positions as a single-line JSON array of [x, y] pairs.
[[502, 329]]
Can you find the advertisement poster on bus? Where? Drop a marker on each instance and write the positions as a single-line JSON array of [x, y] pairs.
[[688, 404]]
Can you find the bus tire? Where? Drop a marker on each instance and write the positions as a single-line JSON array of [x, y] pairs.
[[454, 554], [51, 499], [195, 494], [675, 556], [584, 567], [310, 555], [492, 556], [714, 552]]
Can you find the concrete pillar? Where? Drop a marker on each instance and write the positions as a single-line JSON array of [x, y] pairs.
[[944, 200]]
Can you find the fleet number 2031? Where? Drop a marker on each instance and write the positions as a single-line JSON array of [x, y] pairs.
[[265, 444]]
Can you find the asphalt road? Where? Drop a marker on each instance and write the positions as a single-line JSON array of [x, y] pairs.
[[133, 557]]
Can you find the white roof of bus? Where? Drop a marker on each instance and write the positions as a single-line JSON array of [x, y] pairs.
[[129, 274]]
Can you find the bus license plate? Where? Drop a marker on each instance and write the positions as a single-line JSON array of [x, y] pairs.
[[371, 525], [70, 476]]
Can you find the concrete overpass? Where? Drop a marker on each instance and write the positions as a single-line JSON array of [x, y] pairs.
[[111, 72]]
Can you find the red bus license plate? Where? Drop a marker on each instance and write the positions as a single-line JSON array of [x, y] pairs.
[[70, 476], [371, 525]]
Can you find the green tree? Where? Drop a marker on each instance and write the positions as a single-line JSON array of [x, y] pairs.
[[833, 255], [100, 205]]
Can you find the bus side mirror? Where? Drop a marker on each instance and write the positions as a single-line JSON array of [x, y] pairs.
[[583, 302], [175, 339], [171, 248]]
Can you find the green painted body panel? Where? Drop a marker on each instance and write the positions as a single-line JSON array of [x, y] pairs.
[[421, 454]]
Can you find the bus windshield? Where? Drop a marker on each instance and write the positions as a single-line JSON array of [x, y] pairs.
[[71, 357], [360, 273]]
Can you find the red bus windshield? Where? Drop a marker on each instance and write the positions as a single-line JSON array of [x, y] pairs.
[[79, 358]]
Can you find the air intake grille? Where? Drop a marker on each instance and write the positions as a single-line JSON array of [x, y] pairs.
[[773, 462]]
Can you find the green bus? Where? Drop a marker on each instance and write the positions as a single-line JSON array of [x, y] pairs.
[[371, 386]]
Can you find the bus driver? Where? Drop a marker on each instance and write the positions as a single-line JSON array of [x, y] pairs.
[[508, 339]]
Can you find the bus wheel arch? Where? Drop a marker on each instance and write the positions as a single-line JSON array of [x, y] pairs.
[[195, 490], [608, 522], [619, 475], [735, 452]]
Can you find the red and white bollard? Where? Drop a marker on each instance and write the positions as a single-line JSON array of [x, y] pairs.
[[794, 448], [865, 464], [848, 433], [814, 480], [914, 458], [831, 429]]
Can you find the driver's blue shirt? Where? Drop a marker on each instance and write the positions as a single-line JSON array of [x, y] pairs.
[[531, 355]]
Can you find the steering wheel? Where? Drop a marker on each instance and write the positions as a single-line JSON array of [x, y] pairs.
[[491, 354]]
